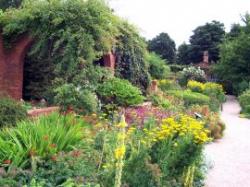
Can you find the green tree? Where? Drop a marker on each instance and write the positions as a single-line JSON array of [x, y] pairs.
[[207, 38], [234, 64], [4, 4], [164, 46], [234, 31], [183, 54]]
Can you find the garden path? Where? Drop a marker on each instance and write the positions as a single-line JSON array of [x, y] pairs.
[[230, 156]]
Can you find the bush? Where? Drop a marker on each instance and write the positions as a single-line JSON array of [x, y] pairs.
[[43, 138], [157, 67], [191, 98], [166, 85], [159, 100], [81, 100], [244, 99], [214, 91], [157, 154], [176, 68], [191, 73], [11, 112], [119, 92], [211, 119], [195, 86]]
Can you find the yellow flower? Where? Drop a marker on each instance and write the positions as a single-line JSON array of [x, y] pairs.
[[119, 152]]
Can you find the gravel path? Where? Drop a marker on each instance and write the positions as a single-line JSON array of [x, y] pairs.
[[230, 156]]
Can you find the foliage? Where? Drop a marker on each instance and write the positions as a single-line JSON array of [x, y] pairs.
[[166, 84], [4, 4], [11, 112], [176, 67], [140, 114], [234, 60], [30, 141], [191, 73], [119, 92], [131, 56], [69, 36], [164, 46], [68, 167], [159, 100], [157, 154], [213, 90], [195, 86], [191, 98], [157, 66], [80, 100], [244, 99], [211, 119], [206, 38], [183, 54]]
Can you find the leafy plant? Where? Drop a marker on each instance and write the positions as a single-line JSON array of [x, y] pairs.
[[157, 67], [11, 112], [244, 99], [191, 98], [81, 100], [131, 61], [30, 140], [191, 73], [166, 84], [119, 92]]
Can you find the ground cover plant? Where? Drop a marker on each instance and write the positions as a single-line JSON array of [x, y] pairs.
[[244, 99], [11, 112], [58, 150]]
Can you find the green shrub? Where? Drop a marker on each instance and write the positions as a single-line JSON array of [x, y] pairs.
[[11, 112], [119, 92], [214, 91], [158, 100], [244, 99], [195, 86], [157, 67], [191, 98], [167, 84], [83, 101], [191, 73], [41, 138], [176, 68]]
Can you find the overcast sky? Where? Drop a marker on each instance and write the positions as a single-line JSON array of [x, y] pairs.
[[178, 17]]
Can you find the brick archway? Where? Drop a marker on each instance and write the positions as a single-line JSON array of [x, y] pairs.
[[12, 65]]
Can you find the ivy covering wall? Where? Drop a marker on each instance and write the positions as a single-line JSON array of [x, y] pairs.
[[69, 35]]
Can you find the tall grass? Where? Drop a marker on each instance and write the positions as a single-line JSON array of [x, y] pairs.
[[41, 138]]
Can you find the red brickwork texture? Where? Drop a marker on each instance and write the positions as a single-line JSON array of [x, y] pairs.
[[11, 66]]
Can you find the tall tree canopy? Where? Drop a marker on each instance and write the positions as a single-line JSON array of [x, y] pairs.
[[183, 54], [164, 46], [234, 64], [4, 4], [206, 38]]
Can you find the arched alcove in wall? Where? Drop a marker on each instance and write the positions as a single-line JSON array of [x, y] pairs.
[[12, 66]]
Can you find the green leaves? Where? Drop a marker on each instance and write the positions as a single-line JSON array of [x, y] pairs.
[[40, 139], [119, 92]]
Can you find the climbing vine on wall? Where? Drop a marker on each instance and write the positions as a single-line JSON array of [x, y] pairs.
[[69, 35], [130, 53]]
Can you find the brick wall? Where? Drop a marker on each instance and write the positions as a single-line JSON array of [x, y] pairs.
[[11, 66]]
